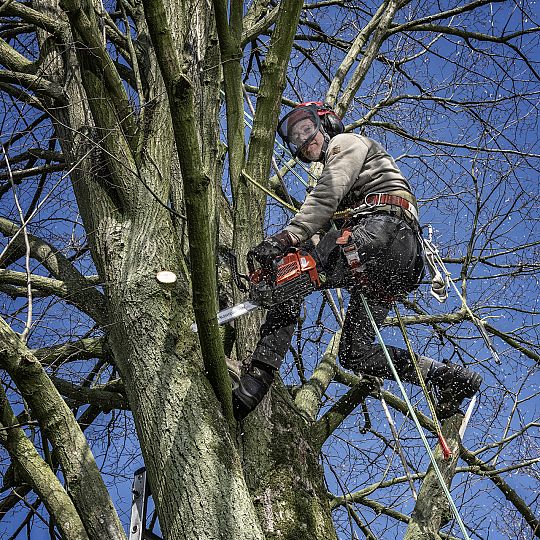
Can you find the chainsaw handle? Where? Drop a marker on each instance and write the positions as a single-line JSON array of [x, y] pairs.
[[251, 263]]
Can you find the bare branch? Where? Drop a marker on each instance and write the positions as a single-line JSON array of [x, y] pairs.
[[80, 470]]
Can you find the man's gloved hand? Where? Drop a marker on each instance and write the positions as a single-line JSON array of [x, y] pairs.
[[271, 248]]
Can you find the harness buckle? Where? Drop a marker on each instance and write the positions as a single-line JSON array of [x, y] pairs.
[[353, 259], [378, 200]]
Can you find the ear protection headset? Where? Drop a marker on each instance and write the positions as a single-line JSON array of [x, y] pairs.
[[324, 118]]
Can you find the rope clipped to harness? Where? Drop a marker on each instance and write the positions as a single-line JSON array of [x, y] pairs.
[[415, 419]]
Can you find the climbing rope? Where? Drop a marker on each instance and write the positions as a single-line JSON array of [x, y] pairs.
[[415, 419], [447, 453]]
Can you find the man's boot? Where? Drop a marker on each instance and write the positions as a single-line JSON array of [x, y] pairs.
[[452, 384], [250, 387]]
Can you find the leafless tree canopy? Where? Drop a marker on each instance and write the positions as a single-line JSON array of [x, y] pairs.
[[139, 136]]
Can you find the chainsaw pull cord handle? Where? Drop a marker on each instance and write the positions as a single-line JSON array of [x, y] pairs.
[[238, 277]]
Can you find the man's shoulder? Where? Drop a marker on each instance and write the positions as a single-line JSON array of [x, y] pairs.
[[347, 141]]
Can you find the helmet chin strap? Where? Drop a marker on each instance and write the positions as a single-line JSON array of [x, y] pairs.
[[326, 141]]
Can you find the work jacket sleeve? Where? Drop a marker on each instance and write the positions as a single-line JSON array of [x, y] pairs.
[[345, 157]]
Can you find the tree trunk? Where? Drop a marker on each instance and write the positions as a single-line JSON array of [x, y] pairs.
[[283, 471], [194, 470]]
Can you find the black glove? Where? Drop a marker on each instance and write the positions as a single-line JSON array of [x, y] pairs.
[[271, 248]]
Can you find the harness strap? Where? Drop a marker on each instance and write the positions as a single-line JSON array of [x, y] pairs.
[[357, 267], [350, 251], [379, 201]]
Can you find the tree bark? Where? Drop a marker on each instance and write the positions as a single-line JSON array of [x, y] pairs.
[[283, 471], [82, 476], [432, 508]]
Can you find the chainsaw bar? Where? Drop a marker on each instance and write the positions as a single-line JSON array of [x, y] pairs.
[[293, 276], [232, 313]]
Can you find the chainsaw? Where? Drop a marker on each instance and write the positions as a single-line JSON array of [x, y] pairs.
[[292, 276]]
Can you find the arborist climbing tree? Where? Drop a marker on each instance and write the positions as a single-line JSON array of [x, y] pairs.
[[136, 150], [375, 249]]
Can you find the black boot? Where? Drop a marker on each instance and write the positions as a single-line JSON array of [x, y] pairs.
[[453, 384], [252, 387]]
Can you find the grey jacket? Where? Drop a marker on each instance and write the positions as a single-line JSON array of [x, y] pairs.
[[355, 166]]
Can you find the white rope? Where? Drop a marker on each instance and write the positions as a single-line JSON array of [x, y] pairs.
[[434, 254], [439, 284], [416, 421]]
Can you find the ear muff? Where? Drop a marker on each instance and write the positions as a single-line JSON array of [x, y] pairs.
[[332, 124]]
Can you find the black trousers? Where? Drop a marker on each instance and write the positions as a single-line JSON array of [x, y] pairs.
[[390, 251]]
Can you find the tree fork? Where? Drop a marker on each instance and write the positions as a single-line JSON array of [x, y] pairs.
[[196, 186]]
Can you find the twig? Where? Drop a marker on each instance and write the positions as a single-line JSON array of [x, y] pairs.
[[28, 324]]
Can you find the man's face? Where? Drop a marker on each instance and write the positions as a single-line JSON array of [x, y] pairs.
[[301, 132]]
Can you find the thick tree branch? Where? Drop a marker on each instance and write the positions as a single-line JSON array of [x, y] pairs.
[[431, 508], [108, 102], [308, 398], [101, 80], [14, 60], [195, 185], [38, 474], [32, 16], [271, 89], [377, 39], [259, 26], [83, 349], [37, 84], [81, 473], [90, 300], [231, 54], [106, 397]]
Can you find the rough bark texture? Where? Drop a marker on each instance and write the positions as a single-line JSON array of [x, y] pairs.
[[432, 509], [283, 471]]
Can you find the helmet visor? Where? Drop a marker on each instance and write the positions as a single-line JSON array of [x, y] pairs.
[[298, 127]]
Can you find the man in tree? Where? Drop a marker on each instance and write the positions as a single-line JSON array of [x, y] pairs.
[[375, 250]]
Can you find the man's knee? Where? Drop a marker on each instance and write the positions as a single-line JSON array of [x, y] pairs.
[[361, 359]]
